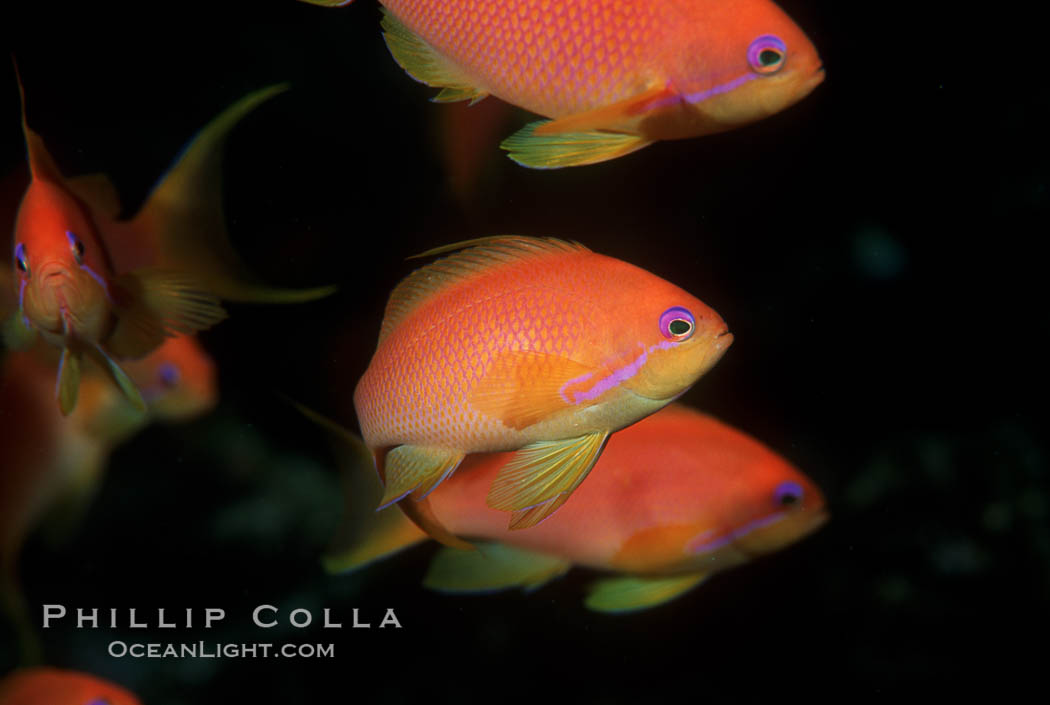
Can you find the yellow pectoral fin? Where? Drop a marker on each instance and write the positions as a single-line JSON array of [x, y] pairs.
[[542, 475], [532, 148], [16, 334], [635, 592], [123, 382], [68, 381], [152, 305], [426, 65], [523, 387], [493, 566]]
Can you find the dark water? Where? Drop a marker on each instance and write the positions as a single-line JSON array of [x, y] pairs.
[[872, 249]]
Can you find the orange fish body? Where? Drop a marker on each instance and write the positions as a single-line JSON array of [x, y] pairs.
[[111, 290], [52, 686], [674, 498], [614, 76], [525, 343]]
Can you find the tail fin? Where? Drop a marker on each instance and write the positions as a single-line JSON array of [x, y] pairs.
[[184, 214], [365, 535]]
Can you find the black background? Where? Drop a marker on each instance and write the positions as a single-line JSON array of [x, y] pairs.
[[876, 251]]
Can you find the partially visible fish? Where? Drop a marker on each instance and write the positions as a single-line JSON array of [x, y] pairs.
[[50, 460], [614, 76], [530, 344], [52, 686], [94, 286], [674, 498]]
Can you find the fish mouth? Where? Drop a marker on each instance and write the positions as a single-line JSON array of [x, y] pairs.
[[814, 80]]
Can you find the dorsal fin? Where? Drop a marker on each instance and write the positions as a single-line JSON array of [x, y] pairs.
[[41, 166], [480, 255]]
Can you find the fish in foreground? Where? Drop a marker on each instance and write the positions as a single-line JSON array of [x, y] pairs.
[[675, 498], [53, 686], [613, 76], [95, 286], [530, 344]]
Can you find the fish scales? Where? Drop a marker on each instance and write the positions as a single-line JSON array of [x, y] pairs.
[[435, 360], [559, 58]]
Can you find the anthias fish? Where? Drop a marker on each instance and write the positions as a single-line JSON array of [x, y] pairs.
[[107, 289], [53, 463], [613, 76], [52, 686], [674, 498], [529, 344]]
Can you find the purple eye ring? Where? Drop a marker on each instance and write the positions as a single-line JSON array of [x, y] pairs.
[[788, 494], [766, 54], [20, 258], [169, 375], [677, 324]]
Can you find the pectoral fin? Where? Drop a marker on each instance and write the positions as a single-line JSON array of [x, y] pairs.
[[123, 382], [524, 387], [635, 592], [542, 475], [493, 566], [531, 147], [423, 63], [16, 334], [68, 384], [154, 304]]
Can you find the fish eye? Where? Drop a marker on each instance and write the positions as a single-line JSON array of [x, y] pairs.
[[99, 701], [788, 494], [677, 324], [766, 54], [169, 375], [21, 259], [77, 245]]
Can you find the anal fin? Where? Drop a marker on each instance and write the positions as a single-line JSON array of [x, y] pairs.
[[542, 475], [416, 469], [635, 592], [494, 566], [423, 63]]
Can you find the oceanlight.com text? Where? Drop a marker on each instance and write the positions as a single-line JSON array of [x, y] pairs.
[[204, 649]]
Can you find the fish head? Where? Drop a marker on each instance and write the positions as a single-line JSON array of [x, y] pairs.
[[60, 269], [766, 505], [177, 381], [739, 62], [674, 338]]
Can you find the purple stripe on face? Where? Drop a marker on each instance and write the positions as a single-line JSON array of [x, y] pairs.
[[101, 282], [701, 96], [575, 380], [613, 380], [695, 546]]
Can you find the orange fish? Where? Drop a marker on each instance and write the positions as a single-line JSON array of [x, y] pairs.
[[108, 289], [52, 686], [675, 498], [614, 76], [50, 460], [524, 343]]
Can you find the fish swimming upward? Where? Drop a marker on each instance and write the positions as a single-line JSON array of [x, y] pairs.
[[107, 289], [674, 498], [529, 344], [613, 76], [52, 686]]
